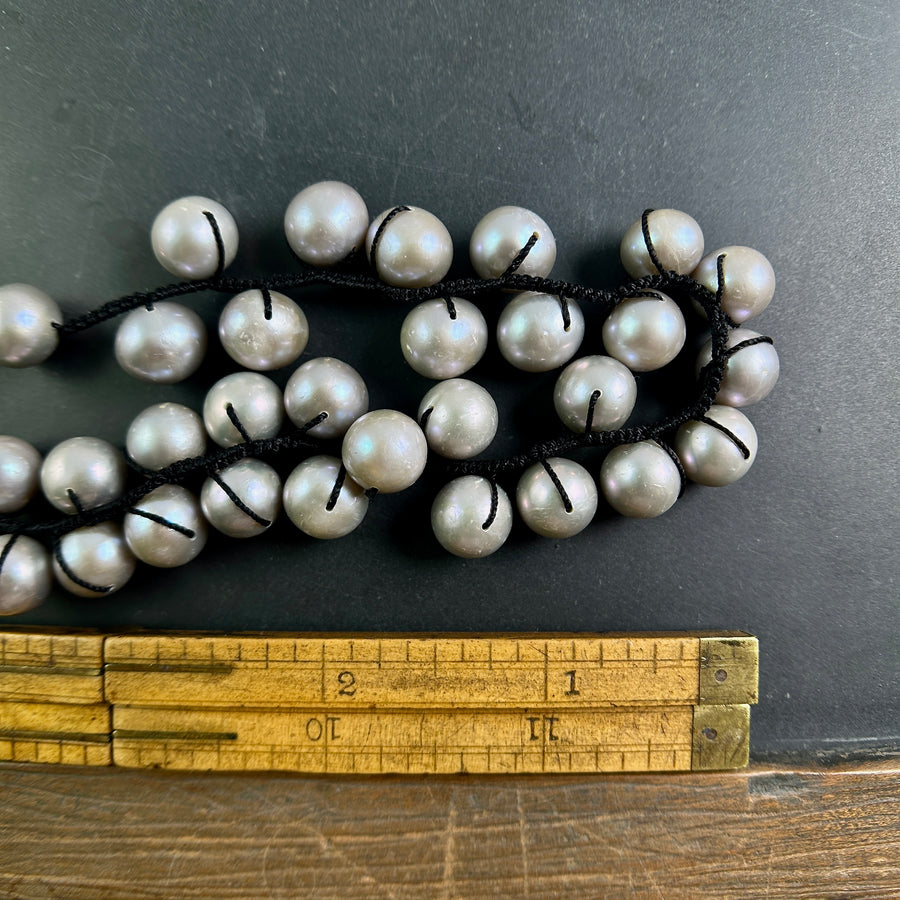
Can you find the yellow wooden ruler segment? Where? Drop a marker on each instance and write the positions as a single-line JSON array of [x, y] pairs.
[[408, 703]]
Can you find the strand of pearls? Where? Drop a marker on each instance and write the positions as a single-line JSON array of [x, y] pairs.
[[445, 335]]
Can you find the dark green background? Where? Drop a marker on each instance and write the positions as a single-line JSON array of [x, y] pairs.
[[774, 125]]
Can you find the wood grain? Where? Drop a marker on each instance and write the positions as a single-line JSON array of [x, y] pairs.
[[764, 832]]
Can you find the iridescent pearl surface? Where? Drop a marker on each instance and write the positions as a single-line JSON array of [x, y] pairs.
[[27, 335], [91, 468], [256, 342], [711, 457], [414, 250], [645, 333], [157, 544], [20, 466], [256, 401], [577, 383], [750, 373], [462, 421], [162, 345], [163, 434], [326, 222], [26, 576], [386, 450], [438, 346], [97, 555], [532, 335], [307, 493], [459, 513], [326, 385], [639, 480], [258, 487], [676, 238], [749, 280], [542, 507], [184, 242], [502, 233]]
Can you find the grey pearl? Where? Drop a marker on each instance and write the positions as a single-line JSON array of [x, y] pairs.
[[326, 222], [256, 342], [502, 233], [255, 399], [326, 385], [184, 242], [577, 384], [27, 335], [676, 238], [385, 450], [307, 493], [749, 280], [750, 373], [159, 544], [414, 250], [645, 333], [438, 346], [258, 487], [163, 434], [541, 505], [25, 577], [459, 513], [462, 421], [20, 465], [162, 345], [710, 456], [91, 468], [640, 480], [532, 334], [97, 555]]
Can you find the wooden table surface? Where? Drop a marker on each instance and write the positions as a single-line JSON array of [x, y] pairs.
[[768, 831]]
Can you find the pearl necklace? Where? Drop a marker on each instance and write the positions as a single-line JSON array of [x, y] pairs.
[[382, 451]]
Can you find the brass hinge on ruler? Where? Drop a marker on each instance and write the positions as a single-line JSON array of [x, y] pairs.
[[370, 703]]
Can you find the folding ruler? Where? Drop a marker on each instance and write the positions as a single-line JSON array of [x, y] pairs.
[[373, 703]]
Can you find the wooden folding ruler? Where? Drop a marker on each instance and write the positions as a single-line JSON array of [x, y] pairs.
[[370, 703]]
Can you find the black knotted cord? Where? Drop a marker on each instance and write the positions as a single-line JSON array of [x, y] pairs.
[[347, 276]]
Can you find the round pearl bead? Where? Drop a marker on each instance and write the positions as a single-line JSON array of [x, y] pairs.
[[326, 222], [307, 492], [385, 450], [256, 401], [438, 346], [163, 434], [256, 342], [20, 464], [640, 480], [676, 238], [184, 242], [577, 383], [502, 233], [750, 373], [708, 455], [541, 506], [326, 385], [531, 332], [414, 250], [458, 515], [27, 335], [463, 418], [259, 488], [162, 345], [749, 281], [645, 333], [97, 555], [89, 467], [26, 577], [160, 545]]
